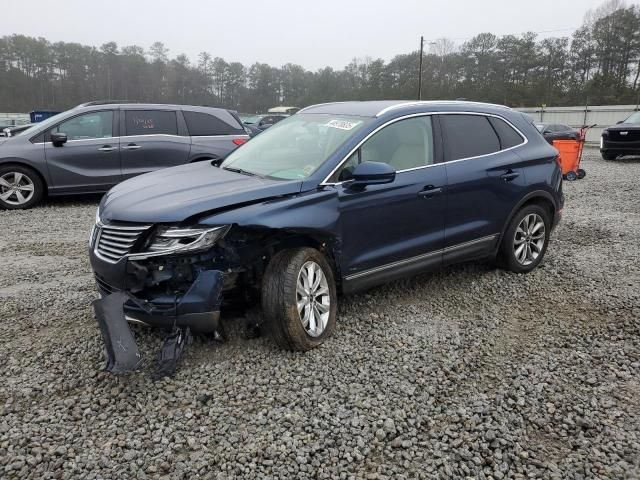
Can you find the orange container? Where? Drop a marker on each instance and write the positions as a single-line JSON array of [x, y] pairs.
[[569, 154]]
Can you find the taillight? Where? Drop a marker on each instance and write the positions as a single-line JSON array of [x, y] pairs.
[[240, 141], [558, 161]]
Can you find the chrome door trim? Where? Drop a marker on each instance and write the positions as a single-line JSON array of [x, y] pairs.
[[418, 258], [326, 182]]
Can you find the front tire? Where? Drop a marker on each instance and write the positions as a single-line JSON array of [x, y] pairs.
[[525, 241], [609, 156], [299, 298], [20, 187]]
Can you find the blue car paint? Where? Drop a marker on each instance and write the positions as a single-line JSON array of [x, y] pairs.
[[372, 231]]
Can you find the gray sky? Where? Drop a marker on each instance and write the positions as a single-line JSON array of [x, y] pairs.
[[311, 33]]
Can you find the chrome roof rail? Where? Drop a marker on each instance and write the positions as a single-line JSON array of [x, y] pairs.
[[436, 102]]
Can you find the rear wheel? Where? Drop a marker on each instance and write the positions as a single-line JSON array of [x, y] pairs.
[[20, 187], [581, 174], [571, 176], [609, 156], [299, 298], [525, 241]]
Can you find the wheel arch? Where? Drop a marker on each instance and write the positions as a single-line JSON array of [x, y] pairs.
[[24, 164], [538, 197]]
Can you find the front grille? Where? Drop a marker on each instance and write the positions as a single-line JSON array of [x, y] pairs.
[[114, 241], [630, 136]]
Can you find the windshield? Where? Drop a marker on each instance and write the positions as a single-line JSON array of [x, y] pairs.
[[295, 147], [43, 124], [634, 118]]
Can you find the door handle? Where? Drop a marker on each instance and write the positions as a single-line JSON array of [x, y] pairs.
[[509, 176], [429, 191], [107, 148], [131, 146]]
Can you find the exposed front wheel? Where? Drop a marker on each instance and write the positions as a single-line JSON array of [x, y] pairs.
[[20, 187], [299, 298], [525, 241]]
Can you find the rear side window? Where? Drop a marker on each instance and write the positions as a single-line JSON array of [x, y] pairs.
[[507, 135], [469, 136], [203, 124], [151, 122]]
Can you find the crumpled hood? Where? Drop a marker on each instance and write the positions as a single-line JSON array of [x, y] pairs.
[[174, 194]]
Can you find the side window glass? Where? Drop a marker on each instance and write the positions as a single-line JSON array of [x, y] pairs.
[[507, 135], [204, 124], [403, 145], [150, 122], [469, 136], [87, 126]]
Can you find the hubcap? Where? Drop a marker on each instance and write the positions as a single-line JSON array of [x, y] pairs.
[[529, 239], [15, 188], [313, 298]]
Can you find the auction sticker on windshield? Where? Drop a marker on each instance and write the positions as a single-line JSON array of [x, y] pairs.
[[342, 124]]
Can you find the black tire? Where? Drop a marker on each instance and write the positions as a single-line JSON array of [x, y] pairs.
[[29, 177], [571, 176], [609, 156], [279, 298], [581, 174], [507, 256]]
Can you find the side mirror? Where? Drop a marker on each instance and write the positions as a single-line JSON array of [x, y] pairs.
[[372, 173], [58, 139]]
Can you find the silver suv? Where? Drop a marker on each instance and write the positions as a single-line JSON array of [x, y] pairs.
[[96, 145]]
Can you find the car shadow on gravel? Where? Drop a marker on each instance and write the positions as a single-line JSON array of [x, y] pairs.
[[69, 200]]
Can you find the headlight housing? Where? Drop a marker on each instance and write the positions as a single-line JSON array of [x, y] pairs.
[[92, 234], [181, 240]]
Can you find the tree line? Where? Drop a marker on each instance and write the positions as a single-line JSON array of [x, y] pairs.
[[598, 64]]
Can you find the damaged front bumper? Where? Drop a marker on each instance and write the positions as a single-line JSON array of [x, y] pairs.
[[179, 297], [192, 303]]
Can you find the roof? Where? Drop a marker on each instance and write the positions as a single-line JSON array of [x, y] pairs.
[[378, 108]]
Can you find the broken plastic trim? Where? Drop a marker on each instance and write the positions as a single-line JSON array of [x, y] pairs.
[[204, 296], [122, 352]]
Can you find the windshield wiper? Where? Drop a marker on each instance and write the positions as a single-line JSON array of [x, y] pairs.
[[239, 170]]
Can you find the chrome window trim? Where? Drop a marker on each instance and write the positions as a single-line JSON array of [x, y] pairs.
[[243, 135], [326, 182], [437, 102], [423, 256]]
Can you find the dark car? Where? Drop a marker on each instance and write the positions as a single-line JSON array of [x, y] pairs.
[[97, 145], [262, 122], [335, 199], [557, 131], [621, 139]]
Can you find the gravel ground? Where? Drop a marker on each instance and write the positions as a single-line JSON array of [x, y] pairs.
[[468, 372]]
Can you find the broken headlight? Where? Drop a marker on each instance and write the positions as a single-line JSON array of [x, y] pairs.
[[181, 240]]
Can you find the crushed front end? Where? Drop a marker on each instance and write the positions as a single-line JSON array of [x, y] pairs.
[[156, 275]]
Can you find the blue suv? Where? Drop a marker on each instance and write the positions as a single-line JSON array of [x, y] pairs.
[[337, 198]]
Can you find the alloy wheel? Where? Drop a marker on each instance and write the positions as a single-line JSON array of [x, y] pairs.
[[16, 188], [529, 239], [313, 298]]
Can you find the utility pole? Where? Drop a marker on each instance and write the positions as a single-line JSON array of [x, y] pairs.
[[420, 69]]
